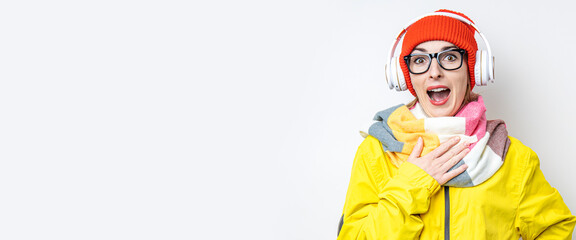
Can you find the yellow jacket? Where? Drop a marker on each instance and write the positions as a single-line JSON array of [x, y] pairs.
[[387, 202]]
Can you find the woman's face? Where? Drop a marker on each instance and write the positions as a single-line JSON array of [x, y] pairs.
[[440, 92]]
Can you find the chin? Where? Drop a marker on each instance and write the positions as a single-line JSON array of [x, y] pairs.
[[447, 111]]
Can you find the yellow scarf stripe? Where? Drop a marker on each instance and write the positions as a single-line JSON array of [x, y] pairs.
[[407, 129]]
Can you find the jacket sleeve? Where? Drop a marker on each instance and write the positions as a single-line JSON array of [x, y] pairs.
[[542, 213], [381, 206]]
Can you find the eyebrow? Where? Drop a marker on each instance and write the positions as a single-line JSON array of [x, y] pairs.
[[444, 48]]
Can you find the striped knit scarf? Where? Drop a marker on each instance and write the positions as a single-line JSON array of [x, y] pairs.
[[398, 128]]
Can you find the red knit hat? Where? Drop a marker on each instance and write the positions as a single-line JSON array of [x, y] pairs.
[[440, 28]]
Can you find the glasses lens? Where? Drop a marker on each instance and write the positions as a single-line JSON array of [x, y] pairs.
[[418, 63], [450, 60]]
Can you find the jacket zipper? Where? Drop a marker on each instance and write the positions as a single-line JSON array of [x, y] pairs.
[[446, 213]]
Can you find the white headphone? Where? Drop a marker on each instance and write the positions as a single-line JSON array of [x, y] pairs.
[[483, 69]]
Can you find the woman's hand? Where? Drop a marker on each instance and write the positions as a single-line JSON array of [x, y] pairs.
[[440, 160]]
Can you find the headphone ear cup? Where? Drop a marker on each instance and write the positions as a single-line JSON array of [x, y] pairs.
[[483, 69], [400, 76], [389, 79], [491, 68], [394, 74]]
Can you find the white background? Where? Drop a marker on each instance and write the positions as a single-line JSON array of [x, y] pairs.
[[234, 119]]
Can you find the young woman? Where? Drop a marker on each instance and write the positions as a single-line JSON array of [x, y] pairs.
[[436, 168]]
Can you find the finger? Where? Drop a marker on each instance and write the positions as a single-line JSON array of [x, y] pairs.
[[439, 151], [452, 174], [455, 160], [417, 150], [453, 152]]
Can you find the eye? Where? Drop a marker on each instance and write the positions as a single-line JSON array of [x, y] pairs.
[[419, 60], [450, 57]]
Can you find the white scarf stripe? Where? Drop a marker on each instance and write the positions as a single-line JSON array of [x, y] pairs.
[[482, 161]]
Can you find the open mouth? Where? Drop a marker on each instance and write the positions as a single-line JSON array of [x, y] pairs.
[[438, 96]]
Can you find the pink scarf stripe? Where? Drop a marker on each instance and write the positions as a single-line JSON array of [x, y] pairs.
[[474, 112]]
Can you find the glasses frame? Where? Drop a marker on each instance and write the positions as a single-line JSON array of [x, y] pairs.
[[431, 56]]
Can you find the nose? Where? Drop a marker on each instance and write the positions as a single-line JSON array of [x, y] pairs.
[[435, 70]]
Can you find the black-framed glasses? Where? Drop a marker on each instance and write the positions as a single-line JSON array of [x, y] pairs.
[[450, 59]]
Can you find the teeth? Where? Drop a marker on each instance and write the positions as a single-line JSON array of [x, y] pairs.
[[438, 89]]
